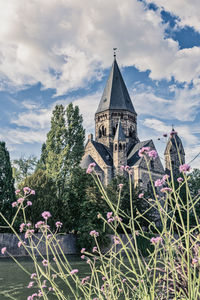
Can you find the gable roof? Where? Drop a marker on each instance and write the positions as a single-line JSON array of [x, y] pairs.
[[115, 95], [103, 152], [88, 160], [133, 157]]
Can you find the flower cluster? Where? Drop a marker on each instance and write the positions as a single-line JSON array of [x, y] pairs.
[[46, 215], [94, 233], [90, 168], [156, 240], [184, 168], [147, 151]]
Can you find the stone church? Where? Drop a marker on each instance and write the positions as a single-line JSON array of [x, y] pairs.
[[116, 140]]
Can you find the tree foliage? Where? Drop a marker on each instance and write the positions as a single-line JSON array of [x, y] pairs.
[[7, 191], [23, 167], [45, 198]]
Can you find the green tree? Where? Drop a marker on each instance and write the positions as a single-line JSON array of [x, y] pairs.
[[7, 191], [23, 167], [194, 182], [64, 145], [45, 198], [140, 205]]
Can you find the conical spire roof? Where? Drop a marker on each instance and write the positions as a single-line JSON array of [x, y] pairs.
[[174, 141], [115, 95], [119, 135]]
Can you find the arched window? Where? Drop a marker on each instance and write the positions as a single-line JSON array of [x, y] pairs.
[[114, 130], [100, 133], [122, 115], [102, 130], [115, 147], [105, 131], [120, 147], [124, 146]]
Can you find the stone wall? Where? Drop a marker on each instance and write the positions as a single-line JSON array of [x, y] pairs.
[[10, 241]]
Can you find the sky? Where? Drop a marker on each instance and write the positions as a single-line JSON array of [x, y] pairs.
[[61, 51]]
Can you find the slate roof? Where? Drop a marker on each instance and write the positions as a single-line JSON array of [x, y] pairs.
[[115, 95], [133, 157], [88, 160], [176, 141], [119, 135], [104, 153]]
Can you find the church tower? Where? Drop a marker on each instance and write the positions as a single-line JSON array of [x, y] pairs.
[[115, 105], [119, 150], [174, 154]]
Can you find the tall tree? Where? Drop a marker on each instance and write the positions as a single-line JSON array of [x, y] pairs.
[[7, 191], [64, 145]]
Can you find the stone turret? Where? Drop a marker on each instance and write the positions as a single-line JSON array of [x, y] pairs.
[[115, 104], [174, 154], [119, 150]]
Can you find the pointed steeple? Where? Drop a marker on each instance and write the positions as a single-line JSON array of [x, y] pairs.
[[119, 135], [174, 154], [115, 95]]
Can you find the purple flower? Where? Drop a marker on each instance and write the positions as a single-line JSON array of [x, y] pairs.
[[19, 244], [3, 250], [158, 182], [58, 224], [94, 249], [82, 256], [141, 195], [39, 224], [45, 263], [90, 168], [143, 151], [180, 179], [33, 275], [74, 271], [165, 177], [184, 168], [94, 233], [109, 215], [32, 192], [166, 189], [82, 250], [122, 168], [17, 192], [194, 261], [26, 190], [156, 240], [110, 220], [29, 233], [116, 240], [46, 215], [21, 227], [29, 203], [20, 200], [153, 154], [126, 168], [14, 204], [30, 285], [118, 218], [120, 185]]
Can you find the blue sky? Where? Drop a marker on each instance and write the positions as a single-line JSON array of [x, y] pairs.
[[54, 52]]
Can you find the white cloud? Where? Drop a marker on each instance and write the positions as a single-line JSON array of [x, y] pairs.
[[64, 44], [186, 11]]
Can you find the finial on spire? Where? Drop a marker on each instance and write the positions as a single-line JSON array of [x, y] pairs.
[[114, 49], [172, 127]]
